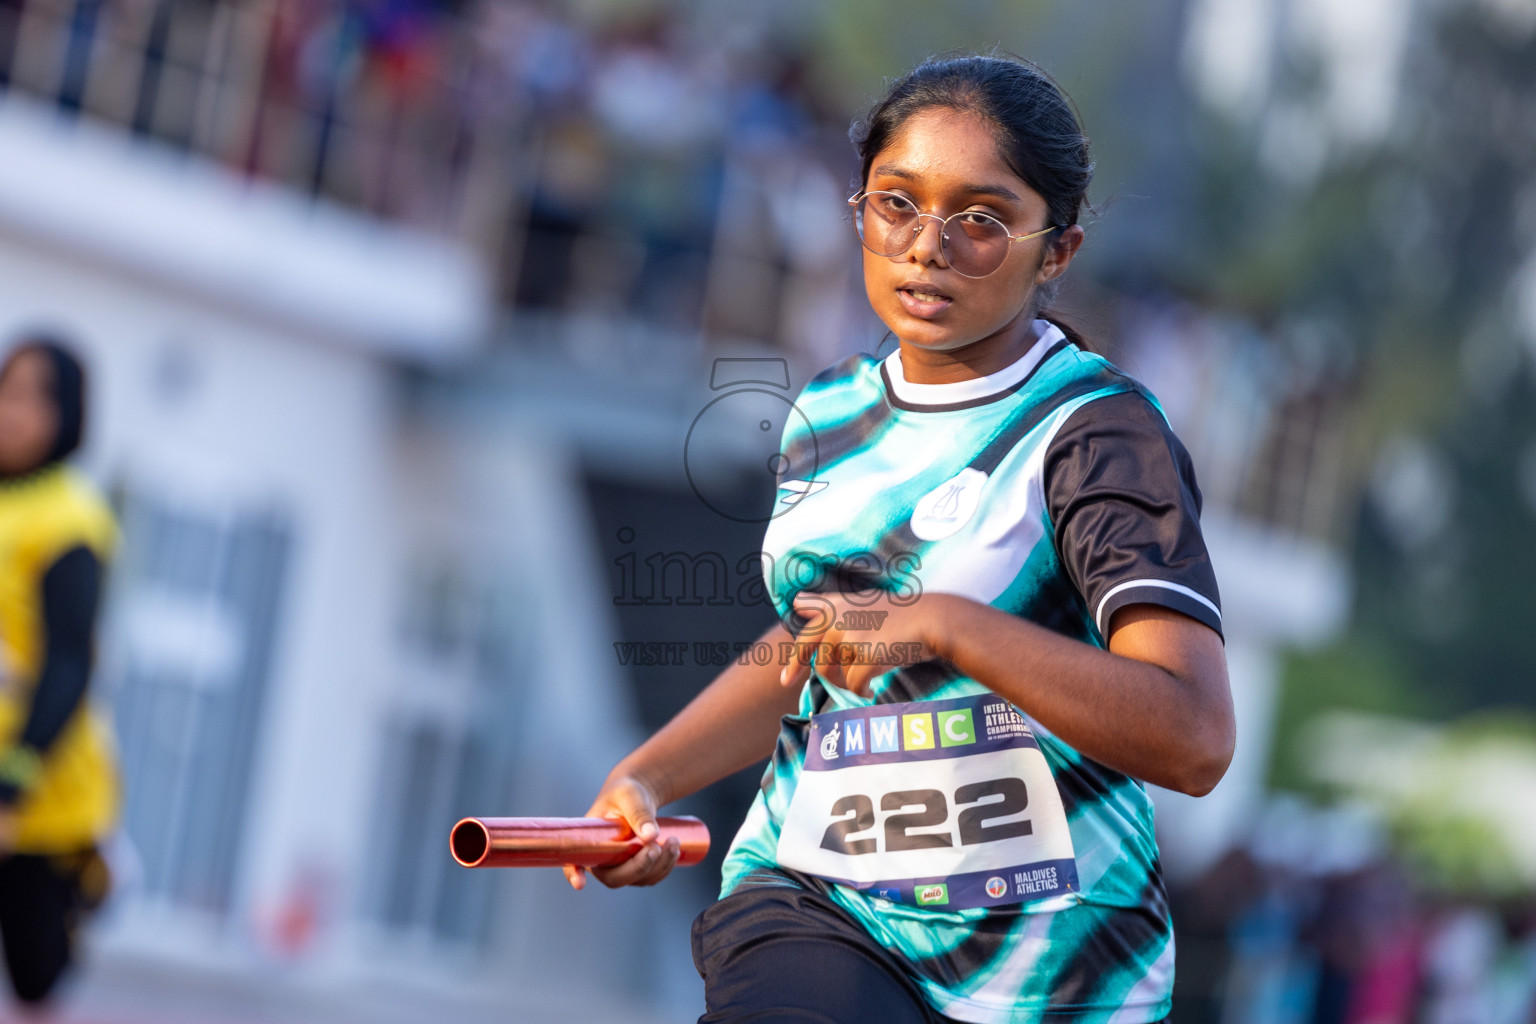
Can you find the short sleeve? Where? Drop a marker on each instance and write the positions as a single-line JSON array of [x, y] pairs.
[[1120, 489]]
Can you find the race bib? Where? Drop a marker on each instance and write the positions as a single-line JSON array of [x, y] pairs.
[[947, 804]]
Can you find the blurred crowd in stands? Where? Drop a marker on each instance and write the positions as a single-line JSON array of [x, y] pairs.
[[1310, 930], [647, 161]]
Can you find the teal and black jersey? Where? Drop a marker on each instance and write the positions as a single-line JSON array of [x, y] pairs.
[[1054, 490]]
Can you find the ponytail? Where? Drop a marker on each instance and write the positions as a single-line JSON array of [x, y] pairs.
[[1066, 327]]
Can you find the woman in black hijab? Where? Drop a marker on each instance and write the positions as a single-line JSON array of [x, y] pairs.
[[58, 782]]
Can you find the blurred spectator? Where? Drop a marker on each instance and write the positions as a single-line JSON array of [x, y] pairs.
[[58, 779]]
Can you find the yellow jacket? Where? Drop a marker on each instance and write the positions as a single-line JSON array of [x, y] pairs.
[[75, 800]]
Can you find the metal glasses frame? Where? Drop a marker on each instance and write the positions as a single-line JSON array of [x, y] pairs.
[[857, 197]]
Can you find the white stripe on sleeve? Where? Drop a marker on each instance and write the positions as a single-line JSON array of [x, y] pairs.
[[1177, 588]]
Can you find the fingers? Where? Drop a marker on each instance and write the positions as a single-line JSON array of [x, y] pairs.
[[794, 674], [797, 668], [637, 808], [839, 645], [819, 612], [629, 800], [853, 678], [832, 671], [654, 862], [822, 632], [642, 821]]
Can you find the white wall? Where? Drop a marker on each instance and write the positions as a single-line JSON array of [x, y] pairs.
[[203, 408], [506, 497], [243, 349], [198, 407], [190, 226]]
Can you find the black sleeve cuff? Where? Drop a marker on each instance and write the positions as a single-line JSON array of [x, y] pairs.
[[1159, 592]]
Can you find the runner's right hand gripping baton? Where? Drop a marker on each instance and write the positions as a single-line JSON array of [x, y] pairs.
[[552, 842]]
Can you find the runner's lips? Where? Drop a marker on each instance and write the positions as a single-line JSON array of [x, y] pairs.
[[923, 300]]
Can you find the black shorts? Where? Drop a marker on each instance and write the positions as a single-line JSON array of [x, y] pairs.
[[42, 899], [773, 953]]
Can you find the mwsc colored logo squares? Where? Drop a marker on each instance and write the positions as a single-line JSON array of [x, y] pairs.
[[917, 731], [956, 728], [924, 730], [884, 734]]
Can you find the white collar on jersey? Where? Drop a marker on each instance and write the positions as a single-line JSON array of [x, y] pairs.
[[1047, 333]]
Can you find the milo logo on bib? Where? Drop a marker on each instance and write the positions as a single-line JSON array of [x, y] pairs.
[[945, 804]]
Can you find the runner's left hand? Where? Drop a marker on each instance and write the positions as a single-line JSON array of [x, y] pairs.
[[894, 635]]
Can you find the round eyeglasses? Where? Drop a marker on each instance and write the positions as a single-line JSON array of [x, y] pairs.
[[974, 244]]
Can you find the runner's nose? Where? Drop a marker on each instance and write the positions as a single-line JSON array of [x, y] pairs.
[[928, 246]]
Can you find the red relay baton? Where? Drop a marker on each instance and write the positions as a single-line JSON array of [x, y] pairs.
[[552, 842]]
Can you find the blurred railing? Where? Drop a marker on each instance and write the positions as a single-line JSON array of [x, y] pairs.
[[289, 91]]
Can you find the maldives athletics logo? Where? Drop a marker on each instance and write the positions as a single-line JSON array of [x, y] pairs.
[[997, 887]]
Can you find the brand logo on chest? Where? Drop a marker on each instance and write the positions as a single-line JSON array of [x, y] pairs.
[[942, 511]]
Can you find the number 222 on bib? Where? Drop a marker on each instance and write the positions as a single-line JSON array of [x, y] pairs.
[[946, 804]]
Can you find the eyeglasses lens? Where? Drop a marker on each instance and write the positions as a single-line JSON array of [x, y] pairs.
[[973, 244], [888, 225]]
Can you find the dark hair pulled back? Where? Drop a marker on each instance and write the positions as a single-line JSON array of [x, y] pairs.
[[1038, 134]]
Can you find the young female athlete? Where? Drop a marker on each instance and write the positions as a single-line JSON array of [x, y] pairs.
[[58, 780], [1011, 621]]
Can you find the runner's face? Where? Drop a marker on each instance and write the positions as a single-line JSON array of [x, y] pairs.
[[946, 161], [29, 418]]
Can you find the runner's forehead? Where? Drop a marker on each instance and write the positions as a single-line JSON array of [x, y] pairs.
[[977, 189], [952, 152], [29, 367]]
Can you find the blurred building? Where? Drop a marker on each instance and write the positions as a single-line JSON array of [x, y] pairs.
[[354, 601], [319, 644]]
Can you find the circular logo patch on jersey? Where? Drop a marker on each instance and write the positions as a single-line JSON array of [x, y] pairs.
[[997, 887], [942, 511]]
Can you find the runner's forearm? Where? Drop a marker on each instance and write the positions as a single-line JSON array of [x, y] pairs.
[[732, 724], [71, 589], [1159, 711]]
